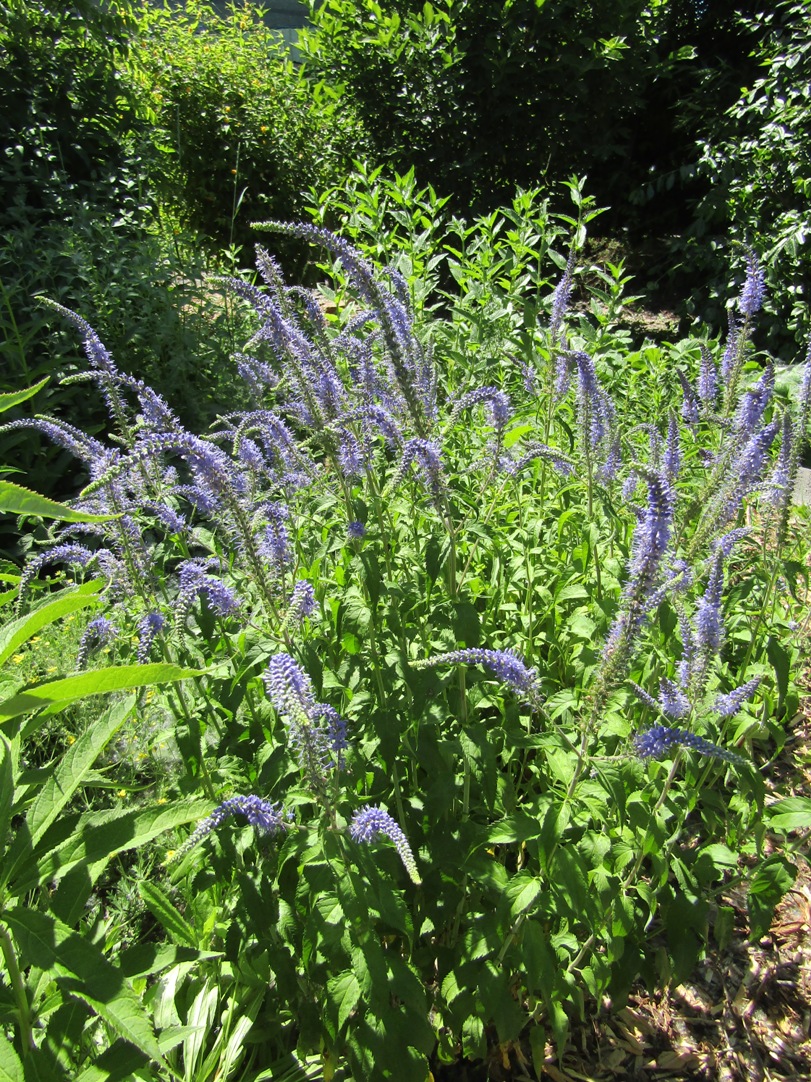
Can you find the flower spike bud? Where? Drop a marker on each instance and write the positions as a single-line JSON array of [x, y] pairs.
[[370, 822]]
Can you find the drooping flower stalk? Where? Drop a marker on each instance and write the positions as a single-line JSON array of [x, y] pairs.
[[267, 818], [506, 665], [660, 739], [369, 823]]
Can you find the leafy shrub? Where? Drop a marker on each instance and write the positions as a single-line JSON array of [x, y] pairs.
[[79, 225], [756, 163], [467, 675], [240, 132], [483, 97]]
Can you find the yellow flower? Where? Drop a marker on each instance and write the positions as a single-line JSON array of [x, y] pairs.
[[18, 658], [122, 793]]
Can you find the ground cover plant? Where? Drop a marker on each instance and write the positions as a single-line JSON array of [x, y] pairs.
[[442, 679]]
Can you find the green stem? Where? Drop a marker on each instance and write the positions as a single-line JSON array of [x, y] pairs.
[[18, 988]]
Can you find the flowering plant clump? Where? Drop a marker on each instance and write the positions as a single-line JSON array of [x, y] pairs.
[[479, 610]]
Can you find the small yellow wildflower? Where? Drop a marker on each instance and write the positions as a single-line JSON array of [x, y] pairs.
[[18, 658], [122, 793]]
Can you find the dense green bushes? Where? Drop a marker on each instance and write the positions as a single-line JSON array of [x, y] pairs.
[[105, 212], [756, 161], [482, 96], [241, 133]]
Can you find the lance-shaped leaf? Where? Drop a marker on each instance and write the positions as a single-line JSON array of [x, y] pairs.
[[56, 694], [83, 971], [69, 600], [92, 837], [74, 767], [16, 500], [14, 398]]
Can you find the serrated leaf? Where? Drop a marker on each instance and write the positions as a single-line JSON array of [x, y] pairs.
[[14, 398], [522, 892], [514, 828], [59, 693], [344, 992], [76, 765], [81, 967], [165, 913], [793, 813], [116, 1064], [69, 600], [11, 1069], [101, 834], [16, 500]]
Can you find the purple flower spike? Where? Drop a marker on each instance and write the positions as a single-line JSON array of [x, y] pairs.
[[302, 602], [355, 531], [709, 617], [150, 626], [506, 665], [729, 705], [97, 633], [317, 733], [754, 287], [266, 817], [659, 740], [673, 700], [370, 822], [707, 379]]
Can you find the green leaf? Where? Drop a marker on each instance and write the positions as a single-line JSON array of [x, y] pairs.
[[781, 663], [344, 992], [770, 882], [793, 813], [11, 1069], [76, 764], [16, 500], [69, 600], [6, 788], [58, 693], [101, 834], [160, 906], [116, 1064], [522, 892], [14, 398], [518, 827], [79, 965]]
